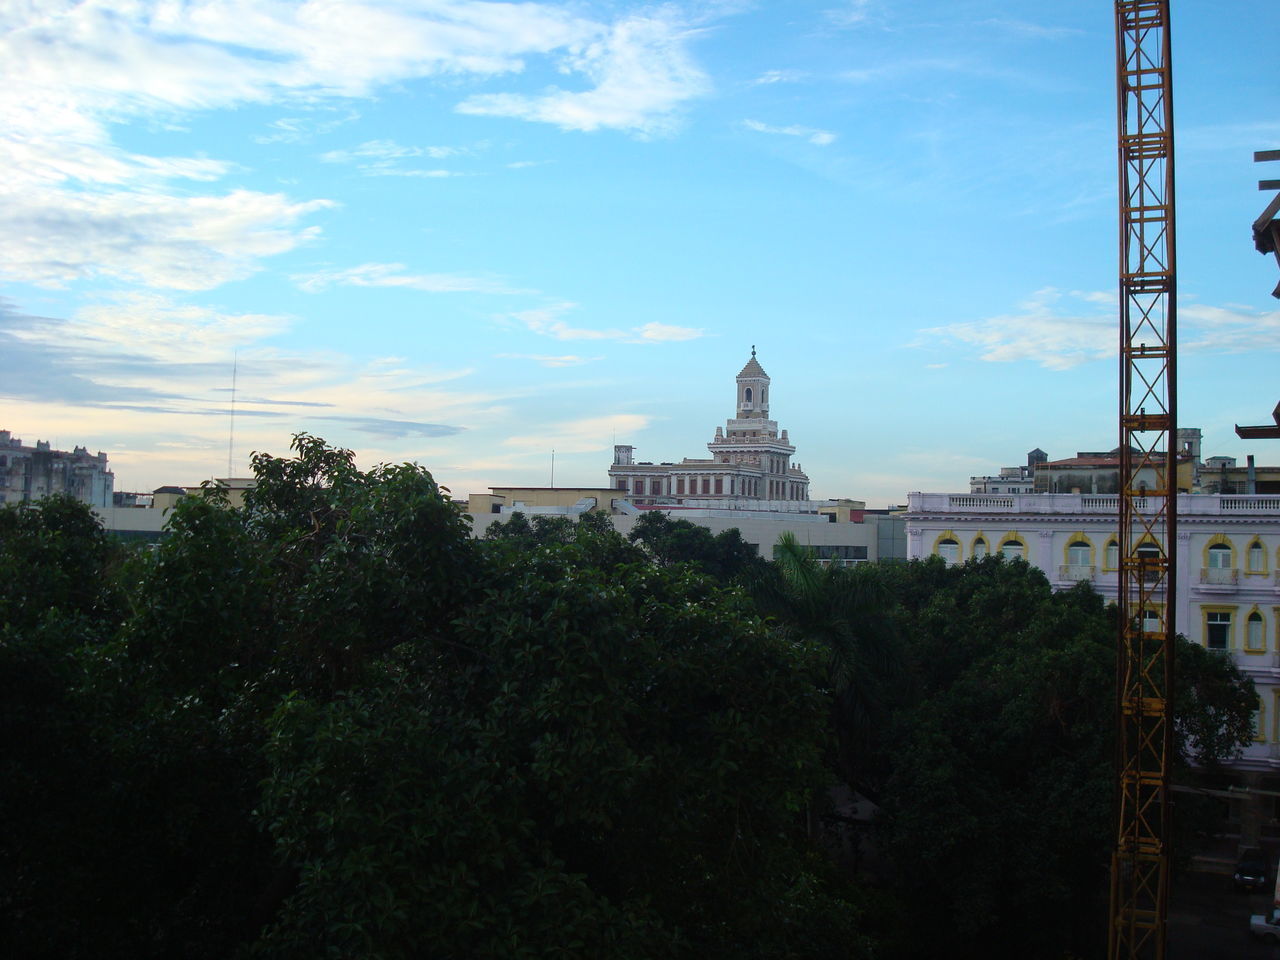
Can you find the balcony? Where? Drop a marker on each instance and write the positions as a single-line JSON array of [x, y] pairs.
[[1075, 572], [1219, 579]]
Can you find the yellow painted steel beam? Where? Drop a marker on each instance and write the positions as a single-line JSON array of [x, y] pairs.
[[1148, 510]]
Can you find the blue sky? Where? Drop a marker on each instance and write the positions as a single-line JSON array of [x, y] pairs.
[[467, 234]]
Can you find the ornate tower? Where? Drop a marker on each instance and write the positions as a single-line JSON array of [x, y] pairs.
[[753, 391]]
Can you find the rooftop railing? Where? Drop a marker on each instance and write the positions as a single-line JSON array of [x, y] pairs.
[[1189, 504]]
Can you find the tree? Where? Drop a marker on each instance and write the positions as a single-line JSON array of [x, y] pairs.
[[57, 596], [847, 613], [332, 723], [724, 556], [998, 811], [601, 763]]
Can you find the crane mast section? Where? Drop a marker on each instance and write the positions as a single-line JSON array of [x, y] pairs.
[[1148, 481]]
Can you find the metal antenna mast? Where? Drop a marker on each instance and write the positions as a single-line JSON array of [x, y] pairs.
[[1148, 482], [231, 436]]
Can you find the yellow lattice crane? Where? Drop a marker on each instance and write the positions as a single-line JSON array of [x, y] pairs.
[[1148, 513]]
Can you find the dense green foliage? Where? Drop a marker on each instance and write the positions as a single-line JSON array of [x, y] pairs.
[[332, 724], [997, 806]]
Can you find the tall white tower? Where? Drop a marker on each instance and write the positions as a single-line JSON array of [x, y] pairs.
[[753, 391]]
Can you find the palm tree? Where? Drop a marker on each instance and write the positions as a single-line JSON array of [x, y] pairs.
[[847, 611]]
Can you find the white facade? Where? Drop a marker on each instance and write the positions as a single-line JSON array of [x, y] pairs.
[[750, 460], [29, 473], [832, 539], [1228, 569]]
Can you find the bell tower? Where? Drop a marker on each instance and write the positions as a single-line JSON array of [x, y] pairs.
[[753, 391]]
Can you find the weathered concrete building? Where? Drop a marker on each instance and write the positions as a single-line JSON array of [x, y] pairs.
[[29, 473]]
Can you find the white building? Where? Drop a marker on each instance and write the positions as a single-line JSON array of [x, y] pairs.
[[750, 460], [1228, 584], [1020, 479], [841, 532], [749, 483], [29, 473]]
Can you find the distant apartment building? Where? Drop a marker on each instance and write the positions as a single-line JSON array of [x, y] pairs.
[[1020, 479], [29, 473], [1227, 553]]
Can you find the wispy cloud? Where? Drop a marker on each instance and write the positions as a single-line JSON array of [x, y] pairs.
[[303, 129], [896, 70], [581, 436], [1229, 329], [546, 321], [54, 237], [1040, 331], [850, 14], [778, 76], [642, 75], [377, 150], [567, 360], [664, 333], [385, 158], [395, 275], [1032, 31], [1059, 331], [74, 204], [158, 371], [820, 138]]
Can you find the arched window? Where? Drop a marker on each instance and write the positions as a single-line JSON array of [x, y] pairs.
[[1219, 556], [1256, 558], [949, 550], [1254, 632], [979, 548], [1112, 560], [1078, 553], [1013, 550], [746, 395]]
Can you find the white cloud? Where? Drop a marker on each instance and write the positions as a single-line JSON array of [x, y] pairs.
[[387, 150], [1059, 337], [568, 360], [71, 70], [778, 76], [1229, 329], [850, 14], [820, 138], [188, 243], [546, 321], [1039, 332], [384, 158], [1033, 31], [158, 372], [144, 325], [581, 436], [393, 275], [665, 333], [642, 75], [303, 129]]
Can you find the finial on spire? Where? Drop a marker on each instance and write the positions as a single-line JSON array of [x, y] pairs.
[[753, 351]]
